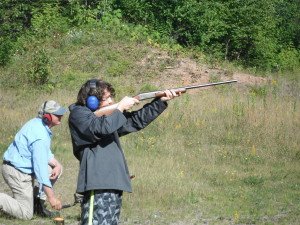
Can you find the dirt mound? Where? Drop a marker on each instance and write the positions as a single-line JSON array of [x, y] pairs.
[[185, 71]]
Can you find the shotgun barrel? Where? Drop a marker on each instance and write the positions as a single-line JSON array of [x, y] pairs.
[[156, 94]]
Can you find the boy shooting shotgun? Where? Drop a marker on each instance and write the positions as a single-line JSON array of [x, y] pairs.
[[96, 124], [157, 94]]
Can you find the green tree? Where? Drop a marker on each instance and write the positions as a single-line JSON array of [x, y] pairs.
[[253, 32], [288, 14], [15, 18]]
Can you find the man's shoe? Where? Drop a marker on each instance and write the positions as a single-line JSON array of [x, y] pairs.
[[40, 209]]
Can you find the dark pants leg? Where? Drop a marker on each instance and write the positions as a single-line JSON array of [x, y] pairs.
[[107, 207]]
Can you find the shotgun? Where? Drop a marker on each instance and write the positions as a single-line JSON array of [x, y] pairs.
[[107, 110]]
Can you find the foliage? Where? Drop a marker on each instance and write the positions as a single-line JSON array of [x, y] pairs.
[[288, 59], [288, 17], [19, 17], [263, 35], [6, 47], [14, 20], [40, 71], [79, 14], [246, 31], [47, 20]]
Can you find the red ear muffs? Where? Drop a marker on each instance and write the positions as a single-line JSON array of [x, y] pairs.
[[47, 118]]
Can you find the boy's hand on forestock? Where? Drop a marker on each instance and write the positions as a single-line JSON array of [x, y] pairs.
[[169, 94], [127, 103]]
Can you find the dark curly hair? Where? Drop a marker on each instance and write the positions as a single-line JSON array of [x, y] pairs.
[[86, 90]]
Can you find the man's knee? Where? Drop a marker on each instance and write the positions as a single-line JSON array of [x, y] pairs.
[[27, 215], [14, 208], [2, 199]]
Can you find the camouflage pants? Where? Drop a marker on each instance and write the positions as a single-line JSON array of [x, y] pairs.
[[107, 207]]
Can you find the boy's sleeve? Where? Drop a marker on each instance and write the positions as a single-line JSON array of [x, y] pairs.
[[141, 118]]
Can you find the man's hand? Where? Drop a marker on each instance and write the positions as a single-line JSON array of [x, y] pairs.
[[127, 103], [55, 203], [170, 94], [56, 169]]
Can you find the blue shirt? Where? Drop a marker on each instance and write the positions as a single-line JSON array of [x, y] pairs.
[[30, 151]]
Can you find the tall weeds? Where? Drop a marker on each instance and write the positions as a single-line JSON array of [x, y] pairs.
[[218, 154]]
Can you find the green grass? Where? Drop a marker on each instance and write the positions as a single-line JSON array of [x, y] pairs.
[[202, 161], [224, 155]]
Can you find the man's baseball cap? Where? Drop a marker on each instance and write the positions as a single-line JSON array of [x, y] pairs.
[[52, 107]]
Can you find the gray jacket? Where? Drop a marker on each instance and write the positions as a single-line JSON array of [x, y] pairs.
[[97, 146]]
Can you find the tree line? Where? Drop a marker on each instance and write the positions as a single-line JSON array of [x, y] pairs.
[[262, 34]]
